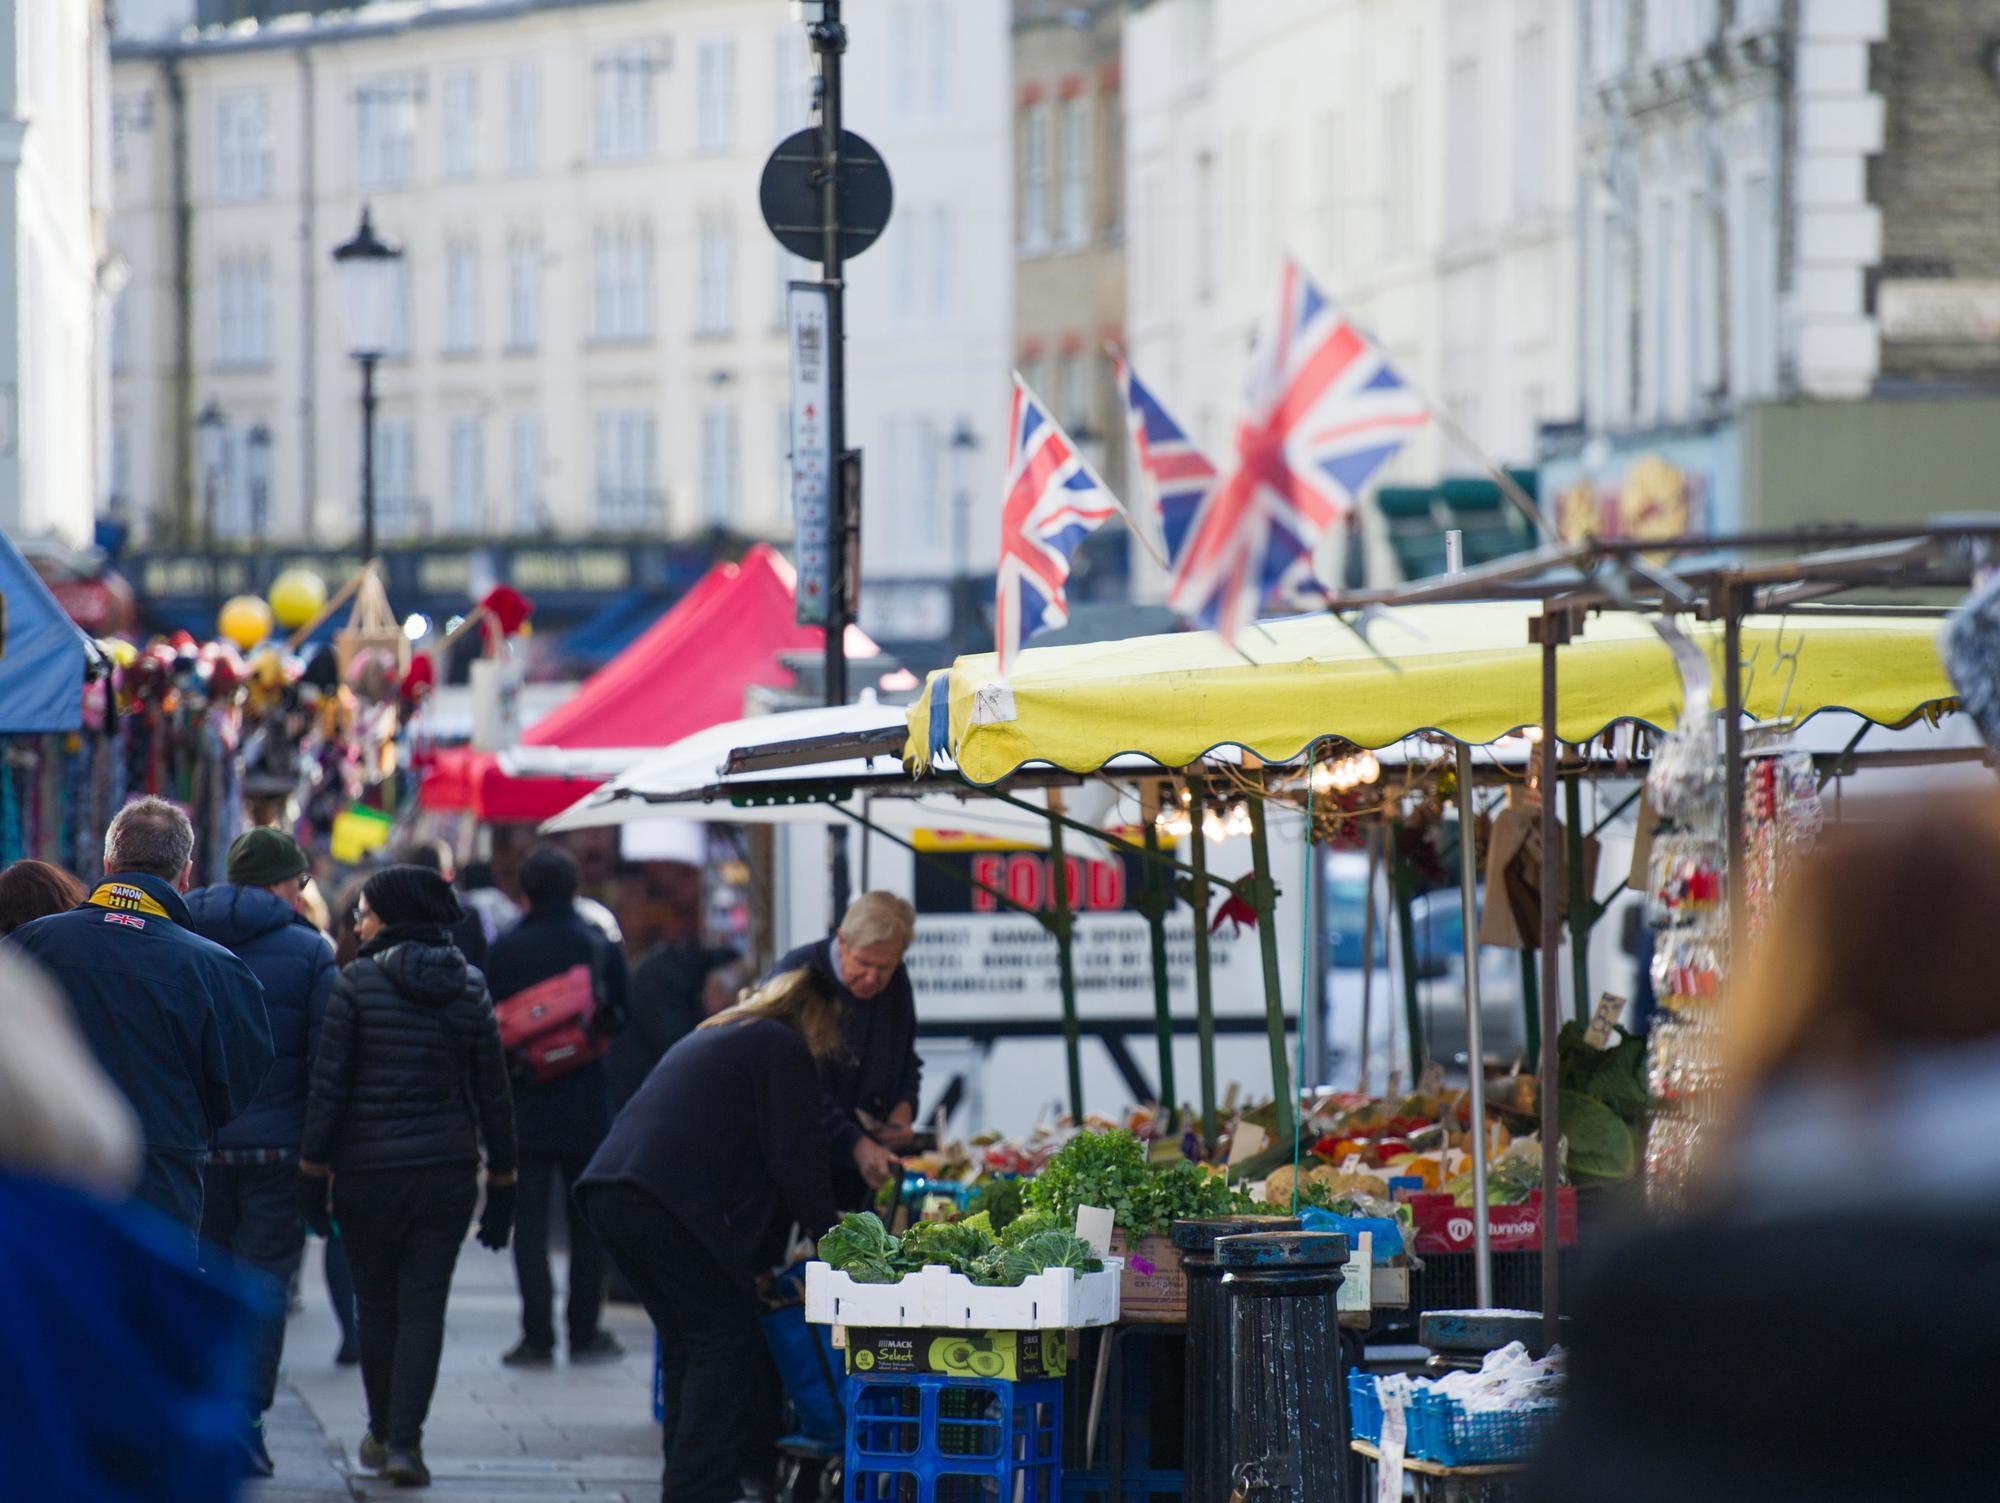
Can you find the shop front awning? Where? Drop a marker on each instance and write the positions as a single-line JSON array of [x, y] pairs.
[[1466, 670], [41, 666]]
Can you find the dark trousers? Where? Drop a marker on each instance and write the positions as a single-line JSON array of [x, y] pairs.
[[340, 1288], [251, 1212], [707, 1319], [403, 1229], [540, 1173]]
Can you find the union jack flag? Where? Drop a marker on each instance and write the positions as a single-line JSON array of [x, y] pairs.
[[1181, 474], [1324, 413], [1052, 503]]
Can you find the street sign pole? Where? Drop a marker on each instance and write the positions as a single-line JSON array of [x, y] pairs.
[[829, 40]]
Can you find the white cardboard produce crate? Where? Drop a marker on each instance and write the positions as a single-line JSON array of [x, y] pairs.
[[939, 1299]]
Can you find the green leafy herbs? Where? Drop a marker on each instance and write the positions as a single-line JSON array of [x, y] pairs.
[[1000, 1199], [862, 1248], [1026, 1225], [1104, 1169], [1187, 1192]]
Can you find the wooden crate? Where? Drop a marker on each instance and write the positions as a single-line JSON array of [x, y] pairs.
[[1152, 1287]]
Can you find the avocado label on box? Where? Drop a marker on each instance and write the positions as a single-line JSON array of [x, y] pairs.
[[1010, 1356]]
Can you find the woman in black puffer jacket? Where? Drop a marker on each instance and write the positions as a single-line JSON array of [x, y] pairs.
[[407, 1079]]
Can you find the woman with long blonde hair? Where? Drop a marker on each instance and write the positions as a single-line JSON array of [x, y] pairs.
[[724, 1136]]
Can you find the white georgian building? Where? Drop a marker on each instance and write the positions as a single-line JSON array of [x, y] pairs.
[[55, 276], [1417, 157], [591, 336]]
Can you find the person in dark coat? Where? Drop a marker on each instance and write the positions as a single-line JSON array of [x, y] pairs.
[[723, 1138], [469, 933], [559, 1122], [667, 999], [251, 1208], [176, 1021], [871, 1090], [407, 1080]]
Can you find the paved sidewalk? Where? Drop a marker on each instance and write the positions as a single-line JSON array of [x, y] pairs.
[[495, 1432]]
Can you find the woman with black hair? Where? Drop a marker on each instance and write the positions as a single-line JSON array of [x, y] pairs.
[[407, 1080]]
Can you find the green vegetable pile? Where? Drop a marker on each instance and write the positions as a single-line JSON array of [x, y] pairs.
[[1109, 1170], [863, 1249], [1602, 1103]]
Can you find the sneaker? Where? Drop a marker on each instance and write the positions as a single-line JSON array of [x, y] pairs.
[[372, 1454], [527, 1354], [603, 1347], [256, 1458], [405, 1468]]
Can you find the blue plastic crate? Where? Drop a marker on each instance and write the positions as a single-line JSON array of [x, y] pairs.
[[923, 1438], [1364, 1407], [1444, 1431]]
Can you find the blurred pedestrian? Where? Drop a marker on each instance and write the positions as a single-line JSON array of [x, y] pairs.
[[1850, 1200], [251, 1206], [872, 1087], [469, 933], [480, 891], [407, 1080], [725, 1135], [667, 1001], [339, 1277], [35, 889], [561, 1118], [176, 1021]]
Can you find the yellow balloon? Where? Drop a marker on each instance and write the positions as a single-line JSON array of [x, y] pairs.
[[120, 651], [245, 620], [296, 597]]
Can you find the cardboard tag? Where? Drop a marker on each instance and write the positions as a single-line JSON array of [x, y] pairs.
[[1093, 1225], [1248, 1141], [838, 1338], [1610, 1008], [1351, 1164], [1393, 1445], [1357, 1275]]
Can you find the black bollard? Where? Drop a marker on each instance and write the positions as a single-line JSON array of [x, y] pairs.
[[1208, 1376], [1286, 1440]]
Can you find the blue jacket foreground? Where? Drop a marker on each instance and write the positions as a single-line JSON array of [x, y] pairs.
[[123, 1366], [175, 1020], [294, 964]]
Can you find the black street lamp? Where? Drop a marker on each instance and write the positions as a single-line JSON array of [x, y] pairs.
[[257, 451], [211, 427], [371, 290]]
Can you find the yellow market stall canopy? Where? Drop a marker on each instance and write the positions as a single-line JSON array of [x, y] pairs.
[[1469, 671]]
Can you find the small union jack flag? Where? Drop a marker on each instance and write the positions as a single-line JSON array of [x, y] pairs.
[[1052, 503], [1181, 474], [1324, 413]]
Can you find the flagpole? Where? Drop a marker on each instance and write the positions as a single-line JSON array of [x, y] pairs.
[[1509, 487]]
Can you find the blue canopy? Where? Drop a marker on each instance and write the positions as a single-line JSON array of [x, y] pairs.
[[41, 661]]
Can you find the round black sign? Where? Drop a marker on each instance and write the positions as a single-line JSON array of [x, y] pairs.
[[790, 195]]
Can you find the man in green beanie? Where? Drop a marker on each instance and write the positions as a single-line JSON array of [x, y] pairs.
[[251, 1210]]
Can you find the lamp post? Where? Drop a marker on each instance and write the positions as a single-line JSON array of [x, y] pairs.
[[370, 288], [211, 427], [257, 451]]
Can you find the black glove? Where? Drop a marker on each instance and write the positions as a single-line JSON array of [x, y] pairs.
[[315, 1202], [496, 1223]]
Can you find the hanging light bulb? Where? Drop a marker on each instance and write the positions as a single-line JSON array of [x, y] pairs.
[[1369, 770], [1175, 824], [1213, 827], [1238, 822]]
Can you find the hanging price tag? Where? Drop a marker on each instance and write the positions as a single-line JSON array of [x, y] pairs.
[[1610, 1008]]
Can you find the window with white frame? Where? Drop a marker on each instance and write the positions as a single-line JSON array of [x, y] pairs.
[[1398, 152], [718, 464], [121, 463], [1677, 28], [524, 473], [244, 157], [903, 60], [121, 332], [402, 311], [1073, 393], [908, 260], [1035, 177], [1655, 228], [461, 123], [524, 116], [943, 43], [944, 259], [395, 476], [1204, 226], [461, 297], [243, 306], [627, 497], [1705, 296], [1531, 121], [1609, 45], [1074, 214], [622, 284], [716, 127], [623, 114], [791, 81], [524, 292], [718, 275], [468, 476], [1755, 273], [385, 112], [1465, 172], [1333, 152]]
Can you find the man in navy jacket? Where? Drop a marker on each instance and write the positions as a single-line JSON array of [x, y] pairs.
[[251, 1209], [176, 1021]]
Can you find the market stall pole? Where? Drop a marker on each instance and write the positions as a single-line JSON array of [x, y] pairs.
[[1159, 897], [1063, 928], [1196, 889], [1551, 630], [1265, 900]]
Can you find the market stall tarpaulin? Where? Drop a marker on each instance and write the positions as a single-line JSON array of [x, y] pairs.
[[1468, 671], [41, 668]]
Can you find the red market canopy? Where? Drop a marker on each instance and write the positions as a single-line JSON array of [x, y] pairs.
[[688, 671]]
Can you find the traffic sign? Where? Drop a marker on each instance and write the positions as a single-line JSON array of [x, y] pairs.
[[791, 199]]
